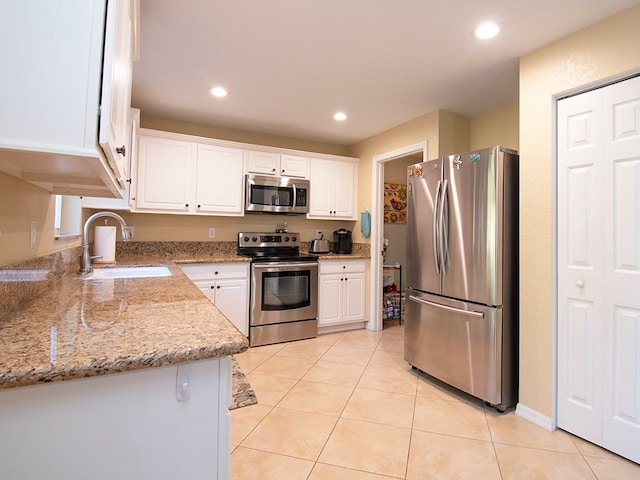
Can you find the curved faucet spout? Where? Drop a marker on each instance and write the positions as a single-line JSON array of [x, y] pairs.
[[85, 259]]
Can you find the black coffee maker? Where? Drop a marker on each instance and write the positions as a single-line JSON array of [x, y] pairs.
[[342, 242]]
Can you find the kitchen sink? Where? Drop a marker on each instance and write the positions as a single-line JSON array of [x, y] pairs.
[[129, 272]]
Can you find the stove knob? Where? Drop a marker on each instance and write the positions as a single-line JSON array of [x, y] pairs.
[[286, 239], [246, 239], [293, 239], [254, 239]]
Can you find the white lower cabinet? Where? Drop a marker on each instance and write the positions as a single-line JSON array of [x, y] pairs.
[[127, 425], [227, 286], [341, 292]]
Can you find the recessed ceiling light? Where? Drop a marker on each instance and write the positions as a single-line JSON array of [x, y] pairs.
[[487, 30], [218, 92], [340, 116]]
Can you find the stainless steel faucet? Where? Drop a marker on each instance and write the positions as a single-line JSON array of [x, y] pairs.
[[85, 259]]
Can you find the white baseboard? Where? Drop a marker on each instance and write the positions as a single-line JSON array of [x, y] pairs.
[[535, 417]]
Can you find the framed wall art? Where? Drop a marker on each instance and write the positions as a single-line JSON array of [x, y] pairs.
[[395, 203]]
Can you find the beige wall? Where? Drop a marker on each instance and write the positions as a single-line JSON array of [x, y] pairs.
[[230, 134], [23, 203], [453, 131], [597, 52], [495, 127]]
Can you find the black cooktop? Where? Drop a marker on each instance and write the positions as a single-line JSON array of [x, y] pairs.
[[272, 247]]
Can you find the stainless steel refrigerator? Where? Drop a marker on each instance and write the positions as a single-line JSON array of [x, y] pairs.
[[462, 272]]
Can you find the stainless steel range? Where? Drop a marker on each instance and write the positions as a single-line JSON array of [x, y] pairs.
[[284, 288]]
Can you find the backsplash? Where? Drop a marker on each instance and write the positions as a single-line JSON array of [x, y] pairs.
[[175, 249]]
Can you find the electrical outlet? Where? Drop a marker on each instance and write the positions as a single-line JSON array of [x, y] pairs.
[[212, 232], [32, 236], [130, 231]]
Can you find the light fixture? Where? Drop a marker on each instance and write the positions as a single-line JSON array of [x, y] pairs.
[[218, 92], [487, 30], [340, 116]]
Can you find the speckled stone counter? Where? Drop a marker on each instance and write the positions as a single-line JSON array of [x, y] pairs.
[[56, 325], [78, 328]]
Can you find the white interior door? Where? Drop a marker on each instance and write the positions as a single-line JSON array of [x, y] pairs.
[[599, 266]]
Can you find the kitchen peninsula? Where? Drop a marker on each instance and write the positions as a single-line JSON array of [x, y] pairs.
[[78, 396]]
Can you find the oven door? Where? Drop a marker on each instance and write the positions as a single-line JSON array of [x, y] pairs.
[[283, 292]]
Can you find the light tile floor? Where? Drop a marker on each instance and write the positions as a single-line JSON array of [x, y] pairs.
[[347, 406]]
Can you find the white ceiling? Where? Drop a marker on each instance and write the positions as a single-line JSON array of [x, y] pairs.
[[289, 65]]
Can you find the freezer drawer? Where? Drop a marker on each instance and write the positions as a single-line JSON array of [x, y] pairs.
[[463, 344]]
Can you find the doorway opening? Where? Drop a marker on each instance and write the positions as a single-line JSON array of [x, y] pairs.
[[385, 169]]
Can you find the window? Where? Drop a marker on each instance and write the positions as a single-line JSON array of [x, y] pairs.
[[67, 216]]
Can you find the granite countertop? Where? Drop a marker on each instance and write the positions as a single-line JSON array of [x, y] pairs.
[[56, 325], [79, 327]]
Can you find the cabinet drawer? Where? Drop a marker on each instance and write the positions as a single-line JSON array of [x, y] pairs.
[[213, 271], [341, 266]]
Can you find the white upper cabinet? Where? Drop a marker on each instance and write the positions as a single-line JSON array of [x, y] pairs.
[[165, 175], [333, 189], [63, 124], [125, 203], [219, 180], [294, 166], [181, 176], [269, 163], [116, 86]]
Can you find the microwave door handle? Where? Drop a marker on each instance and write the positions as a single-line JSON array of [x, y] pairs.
[[295, 193]]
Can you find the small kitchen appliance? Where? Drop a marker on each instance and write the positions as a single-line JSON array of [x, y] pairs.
[[284, 195], [342, 242], [319, 245]]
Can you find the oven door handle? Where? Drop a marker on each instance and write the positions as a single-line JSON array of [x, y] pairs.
[[285, 264]]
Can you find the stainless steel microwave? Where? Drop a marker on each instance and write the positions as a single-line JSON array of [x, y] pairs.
[[264, 194]]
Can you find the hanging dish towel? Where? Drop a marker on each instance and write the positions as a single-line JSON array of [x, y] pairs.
[[365, 223]]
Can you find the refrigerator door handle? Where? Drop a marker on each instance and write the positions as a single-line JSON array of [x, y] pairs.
[[470, 313], [435, 230], [442, 228]]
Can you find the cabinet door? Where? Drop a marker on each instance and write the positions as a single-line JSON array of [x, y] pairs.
[[116, 87], [263, 162], [354, 297], [231, 300], [330, 296], [219, 180], [344, 187], [333, 191], [294, 166], [165, 175], [322, 197]]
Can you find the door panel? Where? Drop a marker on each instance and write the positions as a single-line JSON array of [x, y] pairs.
[[219, 179], [580, 265], [474, 242], [599, 266], [621, 427], [422, 188], [456, 342]]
